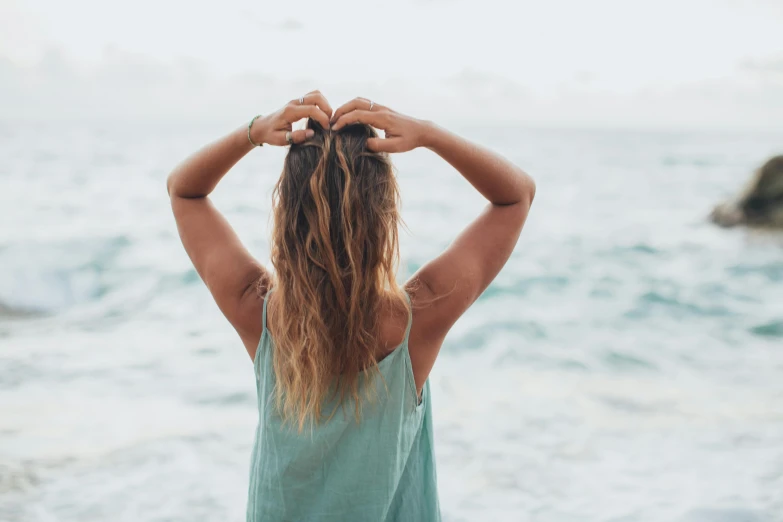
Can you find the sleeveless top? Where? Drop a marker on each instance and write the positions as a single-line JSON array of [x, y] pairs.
[[381, 468]]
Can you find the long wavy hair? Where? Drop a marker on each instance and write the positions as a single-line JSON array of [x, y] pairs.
[[335, 252]]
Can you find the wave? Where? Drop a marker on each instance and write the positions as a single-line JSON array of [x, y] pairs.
[[770, 329], [772, 271], [8, 311], [52, 276], [46, 278]]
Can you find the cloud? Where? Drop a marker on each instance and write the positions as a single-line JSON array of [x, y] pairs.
[[290, 25], [484, 84], [287, 25], [124, 86], [584, 77], [767, 66]]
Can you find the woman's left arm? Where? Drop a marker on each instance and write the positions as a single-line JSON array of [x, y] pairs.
[[224, 264]]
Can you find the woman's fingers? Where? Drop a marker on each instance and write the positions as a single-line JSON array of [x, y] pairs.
[[376, 119], [356, 104], [297, 136], [318, 99], [294, 113]]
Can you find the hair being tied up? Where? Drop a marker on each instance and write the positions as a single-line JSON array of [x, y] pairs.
[[335, 252]]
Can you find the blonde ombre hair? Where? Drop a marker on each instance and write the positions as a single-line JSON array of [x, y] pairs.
[[335, 252]]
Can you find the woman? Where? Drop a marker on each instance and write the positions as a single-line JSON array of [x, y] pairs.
[[342, 353]]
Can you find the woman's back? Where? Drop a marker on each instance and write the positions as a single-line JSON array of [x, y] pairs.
[[380, 467], [345, 426]]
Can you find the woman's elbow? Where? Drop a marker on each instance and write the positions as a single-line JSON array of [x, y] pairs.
[[170, 184], [528, 192]]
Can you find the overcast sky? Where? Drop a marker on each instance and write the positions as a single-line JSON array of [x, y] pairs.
[[668, 63]]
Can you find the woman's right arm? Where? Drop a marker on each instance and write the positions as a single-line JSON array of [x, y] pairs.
[[444, 288]]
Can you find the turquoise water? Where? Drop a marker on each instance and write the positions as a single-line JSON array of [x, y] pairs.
[[627, 365]]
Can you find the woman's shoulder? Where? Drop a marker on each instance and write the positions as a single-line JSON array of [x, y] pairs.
[[393, 324], [252, 314]]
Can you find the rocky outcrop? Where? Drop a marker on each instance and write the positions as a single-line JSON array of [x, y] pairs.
[[760, 204]]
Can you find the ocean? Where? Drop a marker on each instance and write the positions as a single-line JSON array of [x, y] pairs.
[[626, 365]]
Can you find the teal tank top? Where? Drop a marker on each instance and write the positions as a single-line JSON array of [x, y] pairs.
[[379, 469]]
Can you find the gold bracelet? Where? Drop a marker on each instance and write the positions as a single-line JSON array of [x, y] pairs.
[[249, 125]]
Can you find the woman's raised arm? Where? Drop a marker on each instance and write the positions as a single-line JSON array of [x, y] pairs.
[[226, 267], [444, 288]]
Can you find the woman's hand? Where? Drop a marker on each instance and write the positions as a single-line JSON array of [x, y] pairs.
[[272, 128], [403, 133]]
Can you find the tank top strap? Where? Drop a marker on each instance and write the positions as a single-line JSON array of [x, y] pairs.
[[264, 334], [407, 357], [410, 317], [263, 314]]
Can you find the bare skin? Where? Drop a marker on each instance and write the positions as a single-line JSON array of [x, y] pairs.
[[441, 291]]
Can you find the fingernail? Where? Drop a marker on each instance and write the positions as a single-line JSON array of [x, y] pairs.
[[309, 133]]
